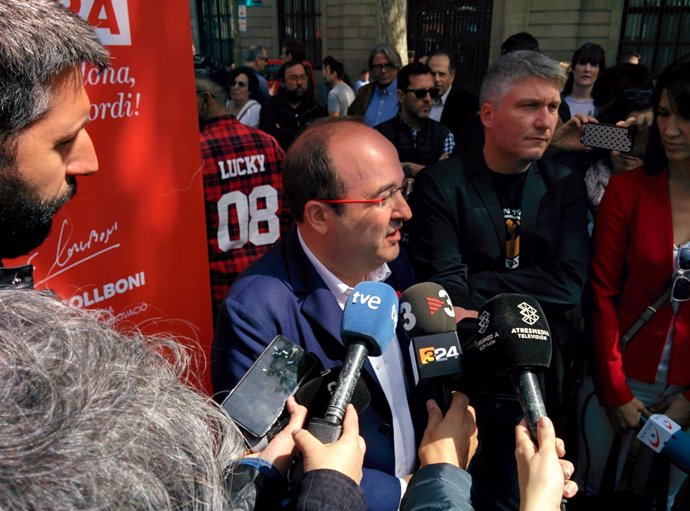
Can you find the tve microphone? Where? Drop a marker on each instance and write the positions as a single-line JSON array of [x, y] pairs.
[[664, 435], [367, 328], [427, 315], [514, 337], [316, 393]]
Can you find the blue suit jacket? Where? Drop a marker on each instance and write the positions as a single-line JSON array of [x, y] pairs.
[[282, 293]]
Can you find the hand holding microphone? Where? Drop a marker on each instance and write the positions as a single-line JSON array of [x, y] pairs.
[[514, 337], [367, 328], [544, 478]]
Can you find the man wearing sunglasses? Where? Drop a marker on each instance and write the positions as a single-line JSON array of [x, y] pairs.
[[420, 141], [343, 186]]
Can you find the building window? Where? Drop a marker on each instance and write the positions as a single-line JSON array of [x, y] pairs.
[[462, 27], [300, 20], [659, 30], [215, 29]]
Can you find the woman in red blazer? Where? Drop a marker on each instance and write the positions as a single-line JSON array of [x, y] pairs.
[[641, 239]]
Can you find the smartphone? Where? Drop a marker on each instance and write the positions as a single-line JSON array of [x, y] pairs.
[[608, 136], [259, 397]]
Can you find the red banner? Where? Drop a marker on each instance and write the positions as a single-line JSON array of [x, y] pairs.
[[133, 239]]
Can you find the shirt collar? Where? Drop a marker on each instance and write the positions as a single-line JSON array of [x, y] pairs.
[[339, 289], [441, 100], [391, 89]]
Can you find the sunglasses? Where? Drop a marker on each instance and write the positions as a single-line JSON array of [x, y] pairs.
[[680, 292], [241, 85], [421, 93]]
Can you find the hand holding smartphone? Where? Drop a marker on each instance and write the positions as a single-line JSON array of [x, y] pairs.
[[259, 397], [609, 136]]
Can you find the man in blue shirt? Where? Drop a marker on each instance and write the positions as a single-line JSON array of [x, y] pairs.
[[378, 101]]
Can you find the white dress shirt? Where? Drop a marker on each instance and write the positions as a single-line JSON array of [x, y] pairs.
[[389, 369]]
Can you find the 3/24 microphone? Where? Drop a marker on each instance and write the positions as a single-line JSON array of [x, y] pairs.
[[427, 315], [514, 337], [367, 327]]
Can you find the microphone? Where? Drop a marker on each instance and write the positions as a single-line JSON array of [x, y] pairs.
[[315, 393], [368, 326], [664, 435], [428, 318], [513, 337]]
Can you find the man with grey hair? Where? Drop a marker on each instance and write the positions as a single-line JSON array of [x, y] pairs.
[[43, 112], [256, 57], [500, 219], [378, 100]]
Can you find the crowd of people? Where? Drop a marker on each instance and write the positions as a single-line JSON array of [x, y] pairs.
[[410, 179]]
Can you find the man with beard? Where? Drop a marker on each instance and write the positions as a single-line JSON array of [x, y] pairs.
[[286, 113], [43, 113]]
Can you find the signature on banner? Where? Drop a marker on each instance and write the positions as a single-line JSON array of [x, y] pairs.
[[70, 254]]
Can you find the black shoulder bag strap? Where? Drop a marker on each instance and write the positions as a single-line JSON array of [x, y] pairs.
[[646, 315]]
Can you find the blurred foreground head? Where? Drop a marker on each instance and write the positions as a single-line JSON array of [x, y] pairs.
[[93, 419]]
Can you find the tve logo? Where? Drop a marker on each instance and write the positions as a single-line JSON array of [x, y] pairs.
[[110, 18], [371, 301]]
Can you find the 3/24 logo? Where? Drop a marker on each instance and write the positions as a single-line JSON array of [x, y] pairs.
[[431, 354]]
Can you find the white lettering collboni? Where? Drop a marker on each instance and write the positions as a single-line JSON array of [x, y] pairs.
[[249, 217], [107, 291], [110, 19]]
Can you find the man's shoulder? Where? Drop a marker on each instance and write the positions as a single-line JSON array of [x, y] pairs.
[[237, 137], [553, 171], [267, 276], [457, 169], [438, 127]]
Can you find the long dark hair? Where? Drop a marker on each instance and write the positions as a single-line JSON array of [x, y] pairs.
[[588, 52], [675, 80]]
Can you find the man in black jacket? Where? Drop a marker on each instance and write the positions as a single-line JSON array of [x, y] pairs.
[[500, 219], [43, 111], [285, 114], [454, 106]]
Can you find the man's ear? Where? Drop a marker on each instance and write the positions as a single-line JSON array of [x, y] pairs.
[[401, 96], [486, 114], [316, 216]]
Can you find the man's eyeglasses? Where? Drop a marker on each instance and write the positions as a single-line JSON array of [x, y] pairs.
[[384, 199], [421, 93], [680, 292], [383, 67]]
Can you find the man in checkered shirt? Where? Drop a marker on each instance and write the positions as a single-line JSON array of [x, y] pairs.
[[243, 185]]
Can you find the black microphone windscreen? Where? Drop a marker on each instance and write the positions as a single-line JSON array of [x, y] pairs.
[[426, 309], [513, 333], [316, 393]]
